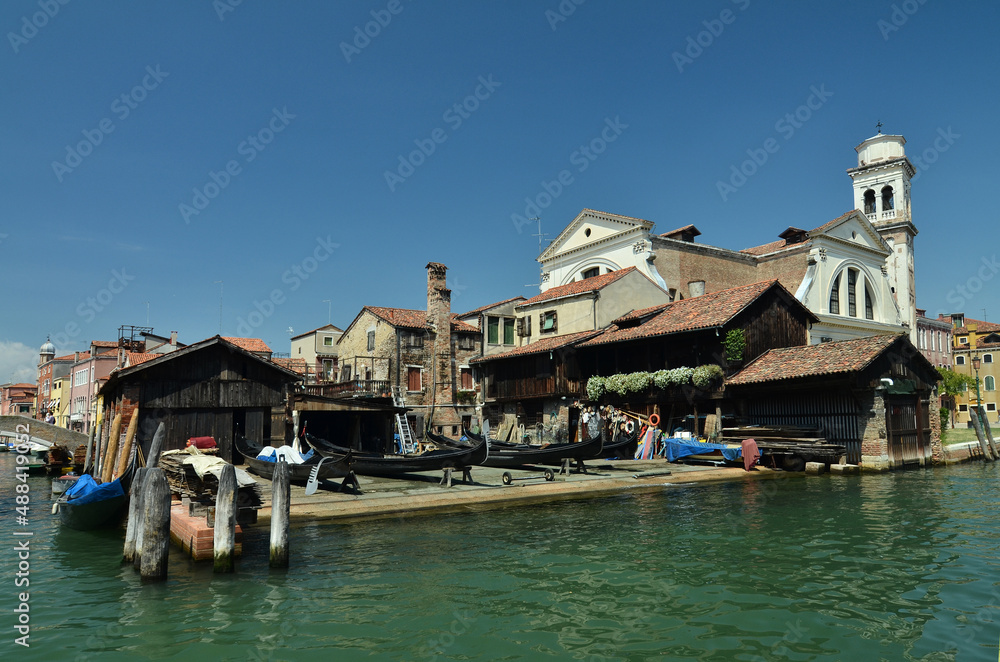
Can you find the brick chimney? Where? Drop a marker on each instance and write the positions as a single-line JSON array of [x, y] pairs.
[[439, 316]]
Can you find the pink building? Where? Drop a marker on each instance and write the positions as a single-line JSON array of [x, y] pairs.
[[934, 339], [88, 370]]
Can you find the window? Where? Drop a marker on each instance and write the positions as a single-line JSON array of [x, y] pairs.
[[412, 339], [80, 377], [989, 383], [964, 340], [493, 330], [413, 378], [963, 408], [45, 387], [371, 341], [959, 360], [869, 201], [991, 406], [547, 322], [328, 370], [466, 341], [852, 298], [524, 326], [347, 373], [887, 202], [987, 358], [508, 330], [465, 376], [593, 272], [869, 306], [835, 296], [327, 341]]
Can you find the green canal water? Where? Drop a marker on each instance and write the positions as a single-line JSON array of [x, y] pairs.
[[901, 566]]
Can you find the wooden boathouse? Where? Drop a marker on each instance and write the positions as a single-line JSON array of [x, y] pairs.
[[875, 395], [211, 388]]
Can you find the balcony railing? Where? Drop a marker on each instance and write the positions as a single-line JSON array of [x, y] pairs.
[[358, 388]]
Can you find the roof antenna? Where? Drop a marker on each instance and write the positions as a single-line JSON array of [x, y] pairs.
[[540, 236]]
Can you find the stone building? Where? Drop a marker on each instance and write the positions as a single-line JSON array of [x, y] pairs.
[[421, 357], [975, 340], [497, 323], [318, 348]]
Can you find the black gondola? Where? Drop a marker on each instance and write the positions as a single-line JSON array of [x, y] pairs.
[[98, 507], [386, 464], [337, 466], [516, 455]]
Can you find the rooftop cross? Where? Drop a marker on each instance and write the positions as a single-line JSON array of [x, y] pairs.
[[879, 127]]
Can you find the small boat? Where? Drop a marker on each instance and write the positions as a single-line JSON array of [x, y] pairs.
[[387, 464], [63, 483], [338, 466], [516, 455], [89, 504]]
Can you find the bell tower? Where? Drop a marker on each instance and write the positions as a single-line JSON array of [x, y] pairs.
[[882, 191]]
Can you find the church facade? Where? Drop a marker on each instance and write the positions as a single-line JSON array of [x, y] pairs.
[[855, 272]]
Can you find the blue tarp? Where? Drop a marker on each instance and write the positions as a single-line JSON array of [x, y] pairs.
[[87, 491], [675, 449]]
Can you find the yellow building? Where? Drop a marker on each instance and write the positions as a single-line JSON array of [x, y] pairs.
[[976, 343], [59, 400]]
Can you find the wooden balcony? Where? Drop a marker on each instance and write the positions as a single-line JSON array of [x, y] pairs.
[[356, 388]]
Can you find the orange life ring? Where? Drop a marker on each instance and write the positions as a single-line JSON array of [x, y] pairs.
[[654, 420]]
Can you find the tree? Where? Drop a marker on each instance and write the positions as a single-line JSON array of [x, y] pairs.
[[955, 383]]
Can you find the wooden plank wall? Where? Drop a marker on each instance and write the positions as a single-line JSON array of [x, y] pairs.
[[835, 414]]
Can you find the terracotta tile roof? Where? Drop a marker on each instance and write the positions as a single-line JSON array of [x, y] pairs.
[[295, 365], [21, 386], [981, 327], [404, 318], [545, 345], [780, 244], [490, 305], [580, 286], [704, 312], [636, 315], [111, 353], [103, 343], [827, 358], [249, 344], [135, 358], [687, 229], [72, 357]]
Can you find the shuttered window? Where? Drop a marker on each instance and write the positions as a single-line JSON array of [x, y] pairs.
[[413, 379]]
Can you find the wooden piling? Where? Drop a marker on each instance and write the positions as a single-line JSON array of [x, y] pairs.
[[134, 515], [978, 424], [156, 526], [988, 433], [133, 427], [110, 453], [224, 541], [156, 446], [90, 446], [280, 505]]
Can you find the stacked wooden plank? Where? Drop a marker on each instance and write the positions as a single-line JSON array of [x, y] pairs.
[[806, 443], [185, 482]]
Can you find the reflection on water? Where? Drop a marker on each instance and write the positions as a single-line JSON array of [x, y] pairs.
[[894, 567]]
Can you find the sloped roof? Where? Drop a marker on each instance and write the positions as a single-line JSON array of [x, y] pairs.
[[639, 313], [249, 344], [328, 327], [103, 343], [135, 358], [686, 230], [475, 311], [778, 245], [580, 286], [404, 318], [704, 312], [295, 365], [829, 358], [981, 327], [72, 357], [544, 345]]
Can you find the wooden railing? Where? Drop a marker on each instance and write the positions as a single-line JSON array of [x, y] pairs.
[[360, 388]]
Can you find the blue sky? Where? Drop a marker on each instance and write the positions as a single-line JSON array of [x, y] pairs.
[[151, 150]]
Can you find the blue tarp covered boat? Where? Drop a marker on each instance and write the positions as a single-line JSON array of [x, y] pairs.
[[675, 449], [88, 505]]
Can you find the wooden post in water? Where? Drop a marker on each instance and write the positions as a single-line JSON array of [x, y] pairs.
[[90, 446], [134, 515], [988, 433], [978, 424], [280, 506], [156, 527], [156, 446], [224, 542]]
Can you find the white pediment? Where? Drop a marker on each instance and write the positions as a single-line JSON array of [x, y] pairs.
[[592, 227], [855, 228]]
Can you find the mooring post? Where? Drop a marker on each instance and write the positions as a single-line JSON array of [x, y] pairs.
[[134, 515], [977, 423], [156, 527], [90, 446], [156, 446], [280, 506], [224, 543]]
